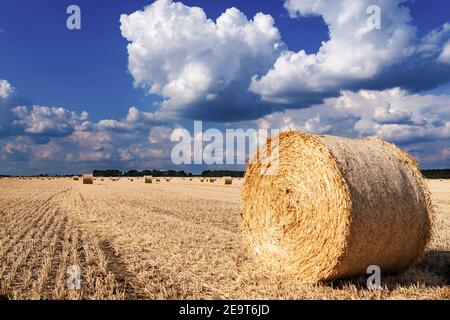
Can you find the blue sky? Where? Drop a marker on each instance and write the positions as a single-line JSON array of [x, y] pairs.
[[87, 69], [93, 70]]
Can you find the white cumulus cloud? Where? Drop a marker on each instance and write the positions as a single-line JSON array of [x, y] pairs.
[[46, 122], [393, 114], [198, 64], [356, 56], [6, 89]]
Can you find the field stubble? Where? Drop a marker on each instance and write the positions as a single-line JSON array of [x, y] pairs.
[[169, 240]]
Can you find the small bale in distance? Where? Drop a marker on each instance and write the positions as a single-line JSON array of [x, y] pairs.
[[88, 179], [227, 180], [148, 179]]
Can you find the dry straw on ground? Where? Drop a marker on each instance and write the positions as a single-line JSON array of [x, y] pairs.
[[88, 179], [335, 207], [227, 180]]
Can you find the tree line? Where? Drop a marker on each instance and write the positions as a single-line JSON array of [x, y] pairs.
[[166, 173], [437, 174]]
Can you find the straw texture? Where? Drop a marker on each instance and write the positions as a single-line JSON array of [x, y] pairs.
[[336, 206]]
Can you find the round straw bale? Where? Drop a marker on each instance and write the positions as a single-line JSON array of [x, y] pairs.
[[168, 179], [157, 179], [75, 178], [334, 207], [88, 179], [227, 180], [211, 180], [148, 179]]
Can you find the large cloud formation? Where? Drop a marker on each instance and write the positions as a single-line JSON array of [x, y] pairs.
[[357, 56], [409, 120], [39, 139], [235, 68], [202, 68], [361, 82]]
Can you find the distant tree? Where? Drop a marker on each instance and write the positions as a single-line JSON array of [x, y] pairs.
[[223, 173], [437, 174]]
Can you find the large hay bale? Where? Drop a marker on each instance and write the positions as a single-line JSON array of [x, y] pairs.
[[88, 179], [336, 206], [227, 180], [148, 179]]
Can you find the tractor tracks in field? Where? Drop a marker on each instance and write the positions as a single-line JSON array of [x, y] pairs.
[[112, 262]]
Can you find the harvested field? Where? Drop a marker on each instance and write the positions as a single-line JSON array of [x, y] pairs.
[[177, 240]]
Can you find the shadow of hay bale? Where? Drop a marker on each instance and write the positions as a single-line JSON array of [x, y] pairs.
[[432, 271], [438, 263]]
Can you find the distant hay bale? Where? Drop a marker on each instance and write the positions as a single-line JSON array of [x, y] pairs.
[[131, 179], [167, 179], [157, 179], [336, 206], [88, 179], [211, 180], [190, 179], [201, 179], [148, 179], [227, 180], [76, 178], [102, 179]]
